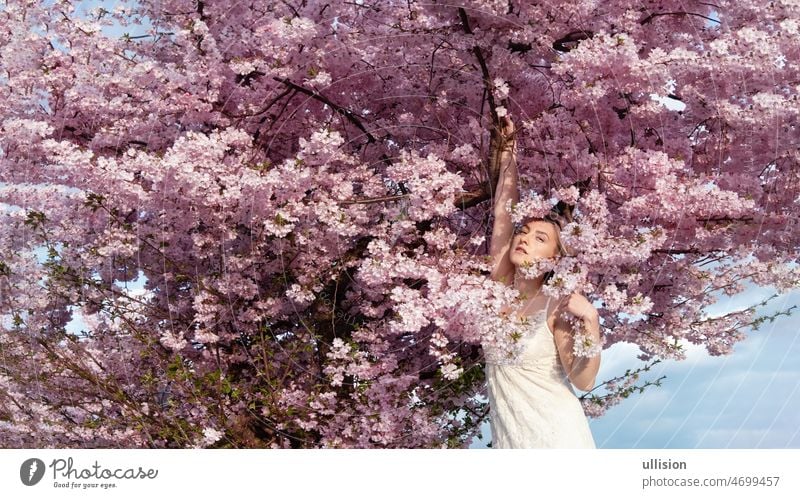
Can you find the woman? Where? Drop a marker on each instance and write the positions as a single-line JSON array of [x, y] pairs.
[[531, 399]]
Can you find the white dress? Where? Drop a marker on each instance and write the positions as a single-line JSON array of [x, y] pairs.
[[531, 401]]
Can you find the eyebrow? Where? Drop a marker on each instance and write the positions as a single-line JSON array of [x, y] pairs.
[[541, 232]]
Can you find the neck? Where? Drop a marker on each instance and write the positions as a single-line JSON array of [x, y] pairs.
[[528, 287]]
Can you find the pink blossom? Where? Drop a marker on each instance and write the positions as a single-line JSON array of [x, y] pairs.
[[304, 196]]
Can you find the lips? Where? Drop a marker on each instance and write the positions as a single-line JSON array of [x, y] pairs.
[[520, 248]]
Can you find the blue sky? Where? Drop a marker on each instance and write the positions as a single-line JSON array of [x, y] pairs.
[[749, 399]]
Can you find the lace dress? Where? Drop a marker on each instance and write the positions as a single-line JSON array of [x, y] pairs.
[[531, 401]]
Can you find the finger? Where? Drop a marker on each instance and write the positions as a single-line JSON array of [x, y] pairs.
[[510, 131], [508, 125]]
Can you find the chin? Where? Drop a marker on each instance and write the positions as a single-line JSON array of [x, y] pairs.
[[516, 258]]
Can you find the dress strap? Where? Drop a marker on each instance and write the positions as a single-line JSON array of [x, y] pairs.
[[547, 304], [543, 311]]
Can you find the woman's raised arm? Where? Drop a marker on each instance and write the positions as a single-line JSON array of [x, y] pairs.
[[504, 156]]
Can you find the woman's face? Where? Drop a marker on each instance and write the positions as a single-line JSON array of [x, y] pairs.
[[536, 240]]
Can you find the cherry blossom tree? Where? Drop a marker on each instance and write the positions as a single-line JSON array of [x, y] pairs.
[[306, 188]]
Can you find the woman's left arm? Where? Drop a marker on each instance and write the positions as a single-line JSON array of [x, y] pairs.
[[581, 370]]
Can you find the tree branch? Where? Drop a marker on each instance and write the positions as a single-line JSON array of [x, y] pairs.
[[680, 13], [571, 39], [347, 113], [487, 79], [372, 200], [685, 251]]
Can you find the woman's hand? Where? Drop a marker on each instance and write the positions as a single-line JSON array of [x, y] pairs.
[[504, 136], [579, 306]]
